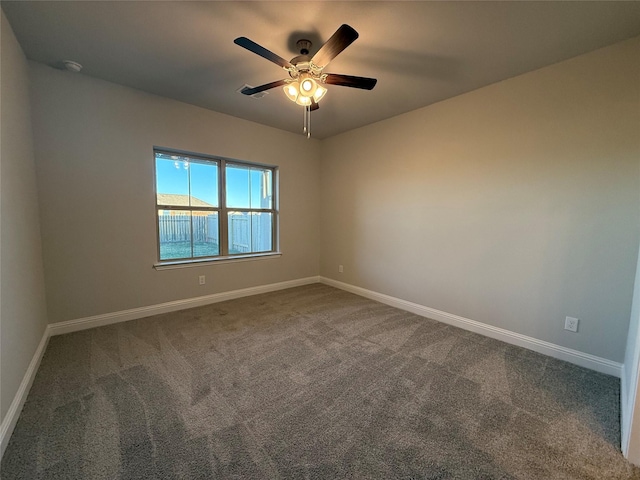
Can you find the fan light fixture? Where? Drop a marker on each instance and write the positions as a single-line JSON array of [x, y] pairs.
[[303, 90]]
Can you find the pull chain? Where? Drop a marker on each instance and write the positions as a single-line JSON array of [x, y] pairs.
[[306, 121]]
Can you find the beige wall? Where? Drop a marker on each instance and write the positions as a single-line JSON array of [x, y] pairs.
[[93, 143], [514, 205], [23, 315]]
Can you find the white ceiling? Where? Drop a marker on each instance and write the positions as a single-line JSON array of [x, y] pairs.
[[420, 52]]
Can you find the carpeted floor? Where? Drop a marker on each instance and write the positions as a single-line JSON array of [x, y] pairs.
[[310, 382]]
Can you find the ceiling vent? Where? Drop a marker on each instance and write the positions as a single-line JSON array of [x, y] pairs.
[[255, 95]]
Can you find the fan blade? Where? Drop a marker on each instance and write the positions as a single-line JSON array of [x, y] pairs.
[[341, 39], [314, 105], [263, 52], [262, 88], [350, 81]]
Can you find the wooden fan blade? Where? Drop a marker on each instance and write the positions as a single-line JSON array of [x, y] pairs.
[[263, 52], [262, 88], [351, 81], [314, 105], [341, 39]]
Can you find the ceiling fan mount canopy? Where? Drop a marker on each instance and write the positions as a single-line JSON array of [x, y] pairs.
[[304, 46]]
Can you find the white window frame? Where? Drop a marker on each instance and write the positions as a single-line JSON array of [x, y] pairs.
[[221, 209]]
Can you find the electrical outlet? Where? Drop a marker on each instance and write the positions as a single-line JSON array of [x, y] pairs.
[[202, 279], [340, 269], [571, 324]]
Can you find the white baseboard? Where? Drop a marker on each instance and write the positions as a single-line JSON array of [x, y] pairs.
[[11, 418], [140, 312], [576, 357]]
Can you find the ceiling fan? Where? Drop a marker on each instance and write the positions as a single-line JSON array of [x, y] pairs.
[[306, 73]]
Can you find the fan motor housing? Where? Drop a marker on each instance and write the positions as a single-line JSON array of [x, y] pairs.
[[301, 62]]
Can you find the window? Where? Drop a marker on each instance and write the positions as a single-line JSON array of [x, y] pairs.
[[213, 208]]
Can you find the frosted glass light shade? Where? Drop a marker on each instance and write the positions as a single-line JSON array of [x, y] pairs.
[[304, 101], [308, 85], [291, 90], [320, 91]]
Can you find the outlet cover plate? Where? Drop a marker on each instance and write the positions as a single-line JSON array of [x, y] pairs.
[[571, 324]]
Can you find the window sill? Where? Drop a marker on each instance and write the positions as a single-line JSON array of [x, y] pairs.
[[211, 261]]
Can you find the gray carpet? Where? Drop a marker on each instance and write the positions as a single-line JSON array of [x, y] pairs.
[[310, 382]]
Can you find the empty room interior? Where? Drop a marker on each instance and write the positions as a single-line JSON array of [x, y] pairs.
[[320, 240]]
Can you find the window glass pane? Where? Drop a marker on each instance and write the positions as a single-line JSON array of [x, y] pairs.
[[239, 227], [260, 188], [261, 225], [205, 234], [204, 184], [174, 234], [250, 232], [172, 180], [237, 186]]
